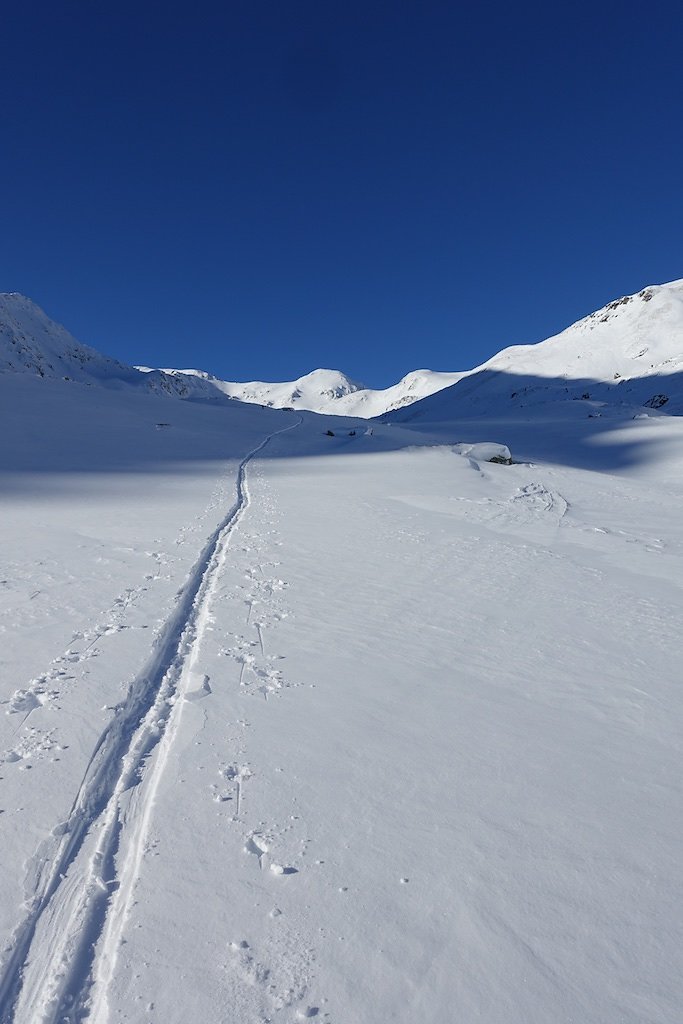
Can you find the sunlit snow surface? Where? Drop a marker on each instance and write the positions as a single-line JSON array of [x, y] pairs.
[[630, 351], [352, 728]]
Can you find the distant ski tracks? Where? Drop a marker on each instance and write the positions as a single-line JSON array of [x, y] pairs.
[[78, 896]]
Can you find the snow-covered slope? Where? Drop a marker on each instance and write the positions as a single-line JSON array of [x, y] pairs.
[[330, 392], [414, 386], [347, 726], [352, 728], [635, 336], [32, 343], [631, 351], [317, 391], [628, 352]]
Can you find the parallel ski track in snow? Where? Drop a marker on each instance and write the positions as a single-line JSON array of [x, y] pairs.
[[73, 906]]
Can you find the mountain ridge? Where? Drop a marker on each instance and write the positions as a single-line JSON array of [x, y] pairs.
[[31, 342], [330, 392], [629, 351]]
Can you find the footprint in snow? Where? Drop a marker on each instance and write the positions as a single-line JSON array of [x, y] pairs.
[[259, 846], [23, 701]]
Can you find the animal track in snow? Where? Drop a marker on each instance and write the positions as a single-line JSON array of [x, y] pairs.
[[38, 694], [256, 671], [260, 845]]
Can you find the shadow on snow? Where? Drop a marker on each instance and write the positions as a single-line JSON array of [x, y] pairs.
[[51, 427]]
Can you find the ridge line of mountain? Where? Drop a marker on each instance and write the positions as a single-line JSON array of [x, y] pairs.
[[617, 351]]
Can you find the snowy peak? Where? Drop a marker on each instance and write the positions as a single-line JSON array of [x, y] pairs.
[[628, 352], [328, 383], [30, 342], [315, 391], [632, 336], [331, 392], [416, 385]]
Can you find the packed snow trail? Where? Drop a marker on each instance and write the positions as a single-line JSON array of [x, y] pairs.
[[74, 883]]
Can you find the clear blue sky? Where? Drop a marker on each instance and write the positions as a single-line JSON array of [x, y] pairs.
[[258, 189]]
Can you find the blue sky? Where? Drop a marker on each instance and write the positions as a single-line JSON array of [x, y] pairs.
[[258, 189]]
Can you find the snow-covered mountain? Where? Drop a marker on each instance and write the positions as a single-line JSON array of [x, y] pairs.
[[32, 343], [628, 352], [301, 721], [330, 392], [411, 388], [316, 391]]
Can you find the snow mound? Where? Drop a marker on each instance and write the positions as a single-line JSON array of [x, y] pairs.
[[486, 451]]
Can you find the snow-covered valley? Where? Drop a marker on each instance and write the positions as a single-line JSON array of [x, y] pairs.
[[310, 718]]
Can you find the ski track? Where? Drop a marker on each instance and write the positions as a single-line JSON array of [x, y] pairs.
[[74, 895]]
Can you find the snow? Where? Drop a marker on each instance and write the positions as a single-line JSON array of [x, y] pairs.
[[628, 353], [331, 392], [485, 451], [349, 728], [319, 388], [633, 336], [30, 342]]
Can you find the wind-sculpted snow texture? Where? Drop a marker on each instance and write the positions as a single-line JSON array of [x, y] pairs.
[[350, 726]]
